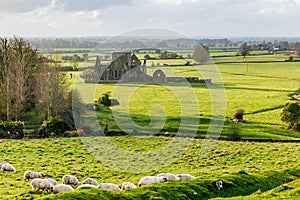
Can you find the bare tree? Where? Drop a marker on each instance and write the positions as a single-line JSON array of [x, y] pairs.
[[18, 65], [51, 91]]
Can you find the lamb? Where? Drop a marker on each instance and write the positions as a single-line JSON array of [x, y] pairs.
[[86, 186], [7, 167], [169, 176], [109, 186], [90, 181], [184, 177], [127, 185], [53, 182], [71, 180], [152, 179], [32, 175], [42, 184], [62, 188]]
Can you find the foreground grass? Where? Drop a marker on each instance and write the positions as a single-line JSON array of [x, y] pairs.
[[236, 184], [57, 157]]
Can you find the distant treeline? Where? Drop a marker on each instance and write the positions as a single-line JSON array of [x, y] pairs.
[[122, 43]]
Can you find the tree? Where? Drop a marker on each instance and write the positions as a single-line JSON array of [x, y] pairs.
[[297, 49], [291, 115], [51, 91], [201, 54], [244, 49], [19, 62]]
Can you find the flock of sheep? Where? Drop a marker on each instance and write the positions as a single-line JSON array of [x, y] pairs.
[[70, 181]]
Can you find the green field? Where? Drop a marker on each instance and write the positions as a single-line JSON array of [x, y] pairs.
[[226, 160], [260, 84], [261, 88]]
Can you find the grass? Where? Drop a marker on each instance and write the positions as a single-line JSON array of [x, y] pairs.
[[237, 184], [249, 170], [260, 88], [57, 157]]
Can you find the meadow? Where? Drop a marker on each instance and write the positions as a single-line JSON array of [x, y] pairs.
[[246, 167], [260, 84]]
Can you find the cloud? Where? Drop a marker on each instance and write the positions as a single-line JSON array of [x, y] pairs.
[[17, 6], [191, 17], [75, 5]]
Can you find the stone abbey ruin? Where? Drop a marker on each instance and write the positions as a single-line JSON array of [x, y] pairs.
[[127, 67]]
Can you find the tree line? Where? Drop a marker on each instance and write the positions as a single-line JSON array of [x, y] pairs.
[[28, 82]]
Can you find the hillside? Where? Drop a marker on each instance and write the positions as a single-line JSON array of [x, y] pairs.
[[57, 157]]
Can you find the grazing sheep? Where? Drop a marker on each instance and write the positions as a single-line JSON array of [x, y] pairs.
[[2, 163], [86, 186], [53, 182], [184, 177], [7, 167], [152, 179], [62, 188], [42, 184], [32, 175], [169, 176], [90, 181], [128, 185], [71, 180], [109, 186], [219, 184]]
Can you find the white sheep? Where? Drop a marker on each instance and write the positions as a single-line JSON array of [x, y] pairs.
[[42, 184], [184, 177], [219, 184], [7, 167], [90, 181], [62, 188], [109, 186], [32, 175], [2, 163], [169, 176], [127, 185], [53, 182], [71, 180], [152, 179], [86, 186]]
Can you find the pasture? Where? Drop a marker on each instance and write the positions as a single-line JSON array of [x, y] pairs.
[[57, 157], [260, 84]]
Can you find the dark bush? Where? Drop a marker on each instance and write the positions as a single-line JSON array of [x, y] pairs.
[[235, 134], [75, 133], [11, 129], [291, 115], [106, 101], [53, 126], [239, 114]]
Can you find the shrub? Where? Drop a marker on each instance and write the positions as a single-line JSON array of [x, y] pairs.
[[75, 133], [15, 128], [235, 134], [291, 115], [55, 125], [239, 114], [106, 101]]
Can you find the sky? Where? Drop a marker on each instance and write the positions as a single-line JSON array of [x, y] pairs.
[[202, 18]]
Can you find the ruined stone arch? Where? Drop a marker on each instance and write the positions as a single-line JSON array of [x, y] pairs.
[[159, 76]]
